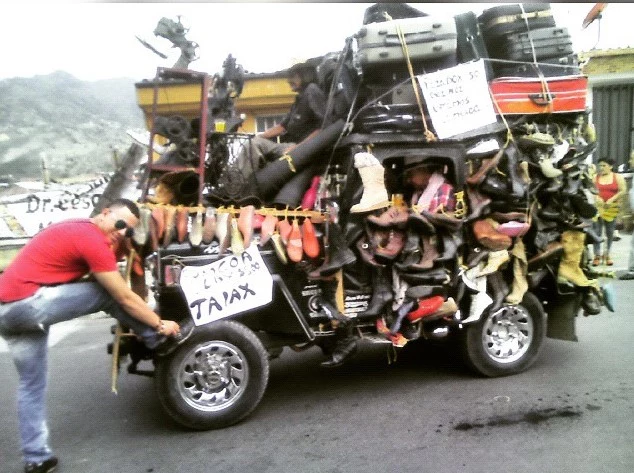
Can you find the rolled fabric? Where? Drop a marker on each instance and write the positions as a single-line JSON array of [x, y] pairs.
[[270, 179]]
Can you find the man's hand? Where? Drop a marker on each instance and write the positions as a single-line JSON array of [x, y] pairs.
[[169, 328]]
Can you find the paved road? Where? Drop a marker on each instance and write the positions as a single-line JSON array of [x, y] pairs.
[[571, 412]]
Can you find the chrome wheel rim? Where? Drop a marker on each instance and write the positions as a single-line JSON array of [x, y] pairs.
[[507, 334], [213, 376]]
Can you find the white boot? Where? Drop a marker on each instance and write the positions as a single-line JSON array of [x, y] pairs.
[[373, 176]]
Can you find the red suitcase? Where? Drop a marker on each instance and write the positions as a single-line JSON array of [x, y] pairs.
[[519, 96]]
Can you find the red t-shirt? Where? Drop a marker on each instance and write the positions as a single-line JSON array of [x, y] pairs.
[[60, 253]]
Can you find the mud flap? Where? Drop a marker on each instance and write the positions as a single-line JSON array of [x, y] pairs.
[[561, 317]]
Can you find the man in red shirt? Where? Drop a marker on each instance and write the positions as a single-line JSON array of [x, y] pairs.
[[45, 285]]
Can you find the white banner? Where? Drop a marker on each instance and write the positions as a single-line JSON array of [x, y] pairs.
[[231, 285], [458, 99]]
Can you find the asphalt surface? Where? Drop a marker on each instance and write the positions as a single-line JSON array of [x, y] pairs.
[[572, 411]]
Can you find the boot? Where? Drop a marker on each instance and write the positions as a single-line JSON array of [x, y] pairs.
[[553, 251], [425, 307], [345, 347], [328, 303], [450, 244], [452, 224], [337, 252], [366, 252], [520, 269], [478, 203], [393, 246], [479, 301], [495, 260], [486, 166], [430, 254], [392, 217], [486, 234], [590, 303], [516, 186], [381, 295], [569, 270], [498, 287], [373, 177]]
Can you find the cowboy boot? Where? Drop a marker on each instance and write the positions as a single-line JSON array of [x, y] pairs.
[[569, 270], [393, 246], [373, 177], [268, 228], [170, 225], [478, 203], [495, 260], [345, 347], [486, 234], [516, 186], [328, 302], [309, 239], [479, 301], [209, 227], [425, 307], [520, 270], [245, 223], [498, 289], [486, 166], [337, 252], [294, 248], [366, 252], [393, 217], [552, 251], [237, 243], [223, 231], [196, 234], [452, 224], [590, 303], [381, 295], [420, 223], [429, 256], [182, 219], [450, 244]]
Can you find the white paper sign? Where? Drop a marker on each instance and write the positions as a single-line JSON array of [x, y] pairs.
[[231, 285], [458, 99]]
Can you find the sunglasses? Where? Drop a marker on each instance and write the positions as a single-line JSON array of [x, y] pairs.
[[120, 225]]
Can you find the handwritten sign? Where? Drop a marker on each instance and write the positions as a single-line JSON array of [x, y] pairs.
[[458, 99], [228, 286]]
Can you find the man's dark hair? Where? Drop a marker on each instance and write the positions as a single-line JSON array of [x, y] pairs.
[[131, 206], [305, 71]]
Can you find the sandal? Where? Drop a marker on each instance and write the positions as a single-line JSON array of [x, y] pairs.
[[596, 261], [608, 261]]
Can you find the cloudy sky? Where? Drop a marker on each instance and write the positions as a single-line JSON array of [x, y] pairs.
[[97, 40]]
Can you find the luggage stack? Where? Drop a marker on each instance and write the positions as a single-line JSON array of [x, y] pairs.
[[523, 40]]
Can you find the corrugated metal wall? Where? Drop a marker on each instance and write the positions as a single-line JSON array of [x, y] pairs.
[[612, 115]]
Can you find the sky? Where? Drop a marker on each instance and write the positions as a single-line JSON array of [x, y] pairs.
[[94, 41]]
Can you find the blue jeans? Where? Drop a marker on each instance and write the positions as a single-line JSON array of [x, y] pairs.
[[24, 325], [609, 235]]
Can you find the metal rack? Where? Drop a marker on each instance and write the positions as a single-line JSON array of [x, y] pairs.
[[169, 77]]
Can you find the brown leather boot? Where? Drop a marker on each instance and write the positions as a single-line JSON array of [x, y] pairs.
[[484, 231], [392, 217], [486, 166]]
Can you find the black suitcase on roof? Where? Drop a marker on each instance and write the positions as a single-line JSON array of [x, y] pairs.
[[470, 42], [545, 42], [502, 20]]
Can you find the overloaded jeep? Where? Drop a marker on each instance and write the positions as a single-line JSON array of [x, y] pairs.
[[318, 243]]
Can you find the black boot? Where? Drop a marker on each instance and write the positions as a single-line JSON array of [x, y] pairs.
[[337, 252], [328, 302], [345, 347], [381, 295]]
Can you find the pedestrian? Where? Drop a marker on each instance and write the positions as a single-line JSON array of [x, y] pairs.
[[67, 270], [630, 266], [303, 121], [611, 187]]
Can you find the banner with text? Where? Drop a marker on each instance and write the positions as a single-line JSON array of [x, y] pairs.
[[234, 284], [458, 99]]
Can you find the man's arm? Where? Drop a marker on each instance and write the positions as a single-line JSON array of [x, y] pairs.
[[116, 286], [273, 132]]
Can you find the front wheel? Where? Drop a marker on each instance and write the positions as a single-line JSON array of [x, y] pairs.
[[216, 378], [507, 341]]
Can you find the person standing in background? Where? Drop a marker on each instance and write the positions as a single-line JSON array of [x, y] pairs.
[[611, 188]]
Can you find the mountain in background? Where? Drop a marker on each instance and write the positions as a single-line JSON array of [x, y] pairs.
[[76, 125]]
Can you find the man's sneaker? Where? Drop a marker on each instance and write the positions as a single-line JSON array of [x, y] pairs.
[[172, 343], [47, 466]]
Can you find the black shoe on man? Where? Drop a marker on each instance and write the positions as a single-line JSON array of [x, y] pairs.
[[47, 466], [627, 276], [172, 343], [344, 349]]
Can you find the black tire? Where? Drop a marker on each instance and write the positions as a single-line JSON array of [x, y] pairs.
[[223, 391], [524, 330]]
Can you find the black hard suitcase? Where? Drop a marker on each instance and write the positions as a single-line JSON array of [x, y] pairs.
[[508, 19], [545, 42], [470, 42], [552, 67]]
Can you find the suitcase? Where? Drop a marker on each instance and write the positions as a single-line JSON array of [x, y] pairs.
[[470, 43], [521, 96], [428, 37], [499, 21], [552, 67], [546, 42]]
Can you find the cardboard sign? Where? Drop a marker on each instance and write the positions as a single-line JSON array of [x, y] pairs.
[[231, 285], [458, 99]]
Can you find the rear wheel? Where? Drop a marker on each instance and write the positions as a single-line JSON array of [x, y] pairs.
[[507, 341], [216, 378]]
